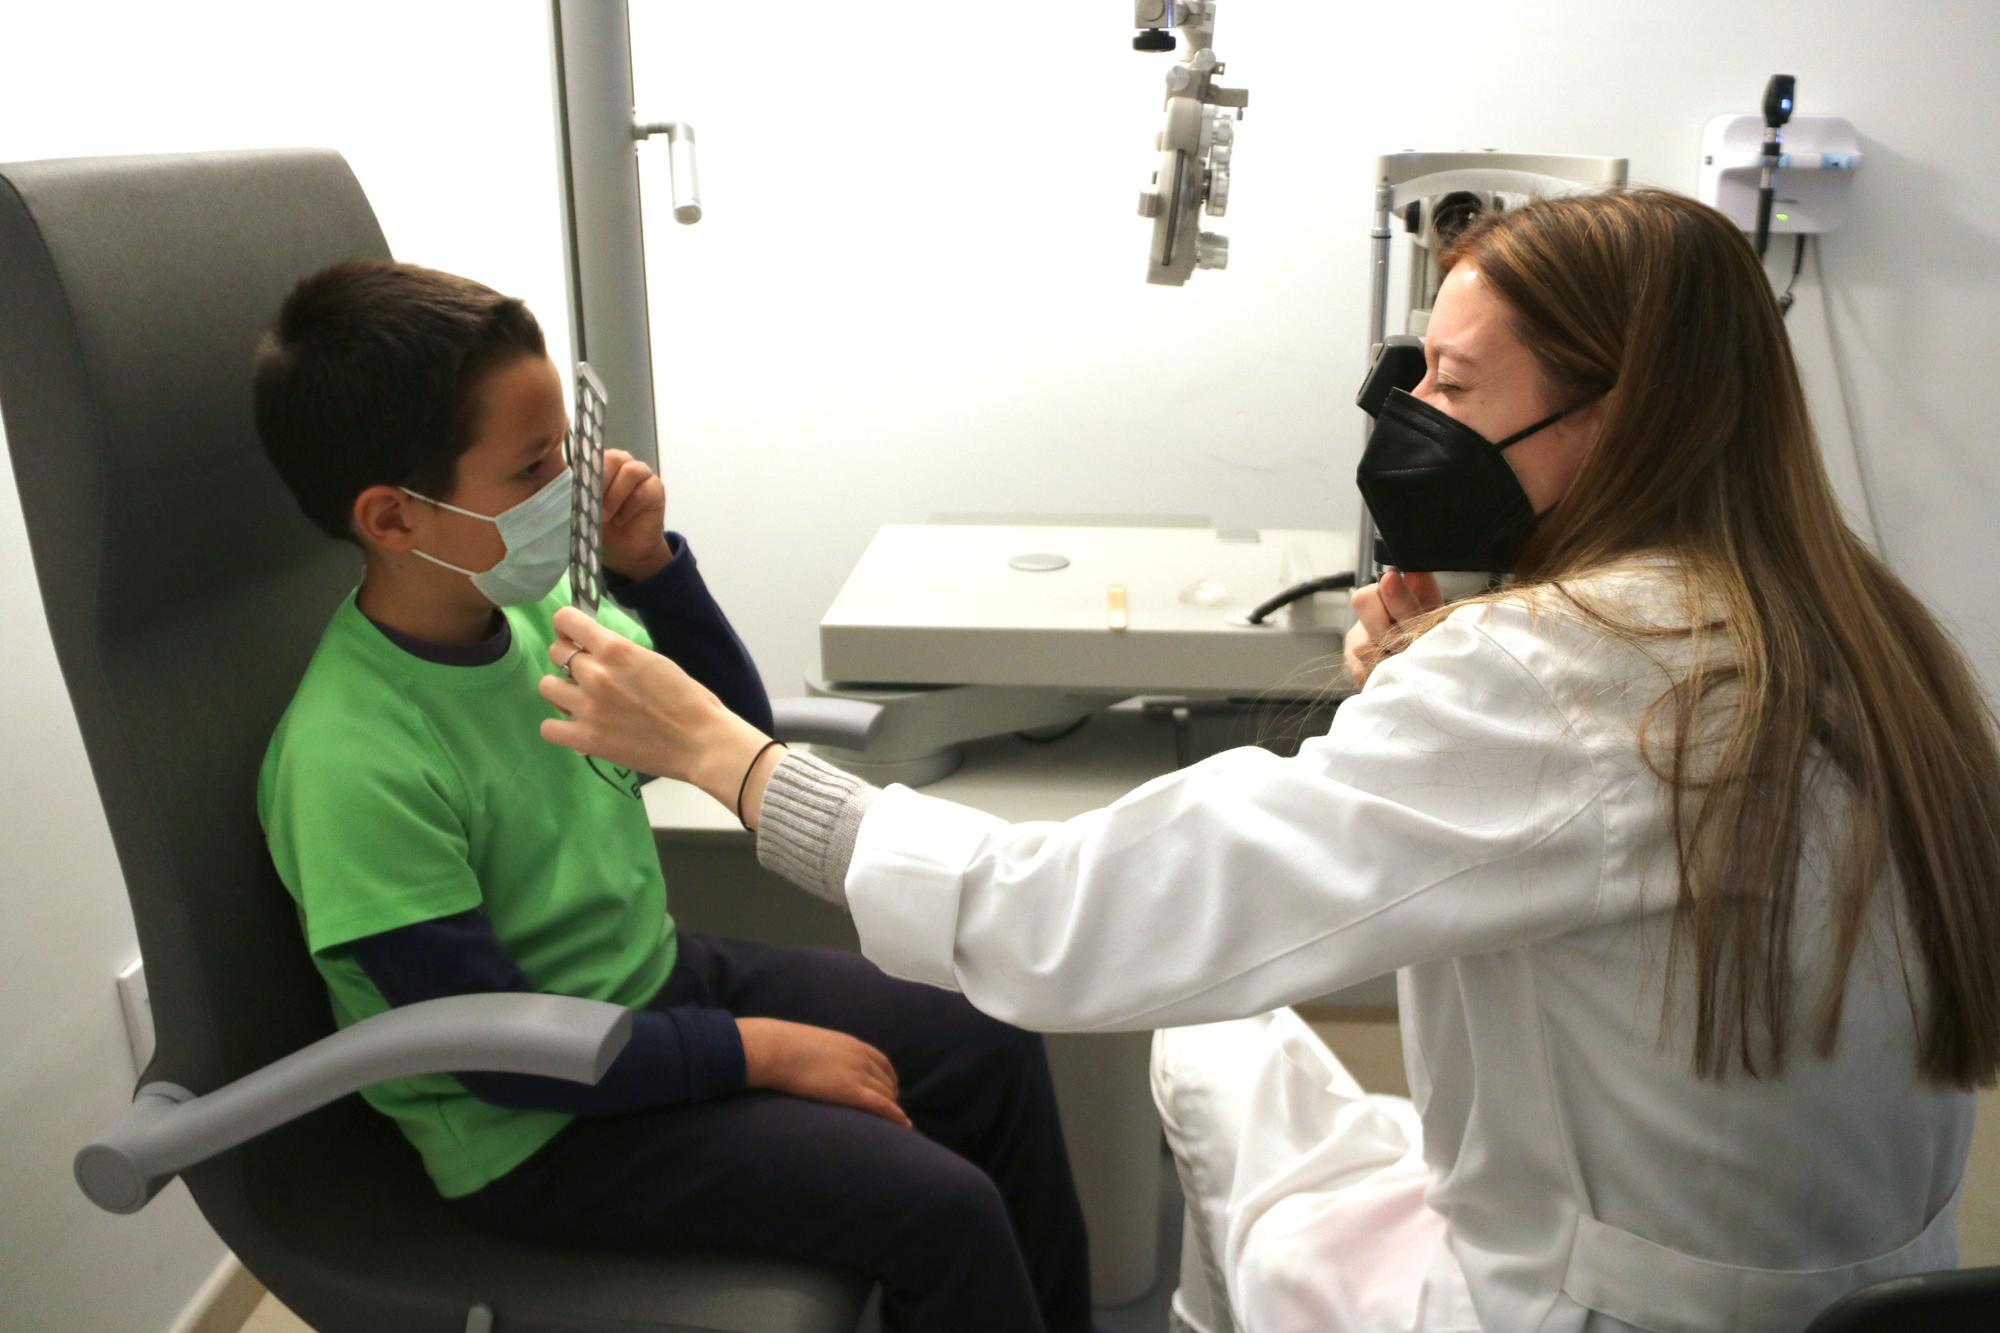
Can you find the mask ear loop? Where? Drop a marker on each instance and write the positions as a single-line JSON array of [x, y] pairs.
[[440, 504], [1543, 424]]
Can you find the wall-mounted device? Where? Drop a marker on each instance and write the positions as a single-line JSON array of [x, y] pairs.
[[1196, 145], [1814, 171]]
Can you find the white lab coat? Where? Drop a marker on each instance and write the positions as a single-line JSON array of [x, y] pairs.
[[1478, 819]]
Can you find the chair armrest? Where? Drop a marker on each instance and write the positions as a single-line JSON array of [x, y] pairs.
[[847, 723], [168, 1129]]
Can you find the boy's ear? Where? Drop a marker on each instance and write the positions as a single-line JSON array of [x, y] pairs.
[[381, 517]]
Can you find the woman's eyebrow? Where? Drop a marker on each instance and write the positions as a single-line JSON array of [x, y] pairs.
[[1442, 350]]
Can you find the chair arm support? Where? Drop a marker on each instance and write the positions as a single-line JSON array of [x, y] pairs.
[[847, 723], [168, 1129]]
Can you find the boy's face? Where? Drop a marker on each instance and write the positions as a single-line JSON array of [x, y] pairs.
[[521, 418]]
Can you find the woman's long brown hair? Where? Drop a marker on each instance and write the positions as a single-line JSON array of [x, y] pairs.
[[1805, 647]]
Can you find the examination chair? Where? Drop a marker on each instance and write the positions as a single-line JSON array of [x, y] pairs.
[[185, 593], [1966, 1300]]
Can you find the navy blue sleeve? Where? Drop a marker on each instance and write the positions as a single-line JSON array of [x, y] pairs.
[[686, 1053], [677, 609]]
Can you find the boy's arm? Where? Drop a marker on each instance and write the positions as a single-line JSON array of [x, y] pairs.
[[682, 1054], [685, 623]]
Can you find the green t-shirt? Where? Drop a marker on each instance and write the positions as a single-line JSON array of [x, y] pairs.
[[397, 790]]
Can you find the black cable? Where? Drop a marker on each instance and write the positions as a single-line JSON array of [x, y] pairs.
[[1846, 387], [1331, 583], [1798, 262]]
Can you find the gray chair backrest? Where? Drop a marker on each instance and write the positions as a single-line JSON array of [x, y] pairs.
[[185, 590], [185, 594]]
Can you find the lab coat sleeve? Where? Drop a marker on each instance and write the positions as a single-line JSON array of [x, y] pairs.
[[1451, 810]]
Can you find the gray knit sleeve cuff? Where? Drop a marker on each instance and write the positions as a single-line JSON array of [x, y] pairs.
[[811, 817]]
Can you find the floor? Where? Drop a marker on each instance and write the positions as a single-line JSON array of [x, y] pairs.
[[1373, 1051]]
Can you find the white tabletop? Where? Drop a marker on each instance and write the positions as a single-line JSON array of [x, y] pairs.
[[1119, 611]]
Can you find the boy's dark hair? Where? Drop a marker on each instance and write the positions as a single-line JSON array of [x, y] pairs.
[[370, 378]]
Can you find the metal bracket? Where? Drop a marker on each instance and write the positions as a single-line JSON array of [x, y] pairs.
[[685, 181]]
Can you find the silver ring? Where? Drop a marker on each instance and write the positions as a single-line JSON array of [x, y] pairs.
[[564, 664]]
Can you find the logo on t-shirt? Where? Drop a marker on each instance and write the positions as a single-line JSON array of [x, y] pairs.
[[623, 779]]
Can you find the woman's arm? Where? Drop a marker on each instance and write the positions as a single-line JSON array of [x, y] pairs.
[[653, 573], [640, 710], [685, 621], [1452, 810], [812, 812]]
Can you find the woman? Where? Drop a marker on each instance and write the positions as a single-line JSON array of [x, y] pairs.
[[1683, 844]]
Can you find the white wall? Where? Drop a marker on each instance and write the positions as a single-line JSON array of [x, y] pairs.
[[917, 287], [443, 109]]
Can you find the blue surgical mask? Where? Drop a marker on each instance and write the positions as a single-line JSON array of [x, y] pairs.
[[535, 534]]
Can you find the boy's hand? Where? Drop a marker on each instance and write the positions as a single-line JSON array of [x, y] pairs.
[[820, 1064], [635, 517]]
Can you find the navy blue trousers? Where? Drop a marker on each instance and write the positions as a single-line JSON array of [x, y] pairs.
[[971, 1223]]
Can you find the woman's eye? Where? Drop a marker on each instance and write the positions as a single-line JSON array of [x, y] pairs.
[[1443, 387]]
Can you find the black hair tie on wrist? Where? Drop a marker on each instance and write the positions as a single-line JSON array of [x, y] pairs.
[[764, 750]]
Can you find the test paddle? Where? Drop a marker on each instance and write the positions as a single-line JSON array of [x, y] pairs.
[[586, 513]]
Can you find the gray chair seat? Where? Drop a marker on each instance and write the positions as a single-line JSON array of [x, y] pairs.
[[416, 1253]]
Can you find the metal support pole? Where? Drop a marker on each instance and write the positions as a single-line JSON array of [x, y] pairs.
[[591, 45], [1365, 570]]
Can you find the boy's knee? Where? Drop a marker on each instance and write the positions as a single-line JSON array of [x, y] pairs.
[[958, 1200], [1018, 1061], [1016, 1046], [998, 1049], [1003, 1040]]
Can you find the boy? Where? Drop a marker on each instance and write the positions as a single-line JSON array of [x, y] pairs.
[[436, 846]]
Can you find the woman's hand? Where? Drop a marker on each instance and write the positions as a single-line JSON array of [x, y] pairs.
[[635, 517], [1377, 609], [821, 1064], [642, 712]]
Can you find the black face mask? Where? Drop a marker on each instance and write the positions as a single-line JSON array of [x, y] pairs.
[[1442, 495]]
